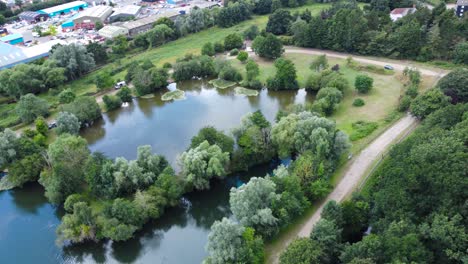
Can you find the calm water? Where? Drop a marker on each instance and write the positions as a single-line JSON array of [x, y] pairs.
[[28, 222]]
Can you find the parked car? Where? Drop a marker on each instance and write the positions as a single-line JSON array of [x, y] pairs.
[[52, 125], [388, 67], [120, 85]]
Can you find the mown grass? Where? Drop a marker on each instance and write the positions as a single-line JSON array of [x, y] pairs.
[[173, 95]]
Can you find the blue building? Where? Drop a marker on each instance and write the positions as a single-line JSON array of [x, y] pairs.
[[10, 56], [12, 39], [462, 7], [64, 9]]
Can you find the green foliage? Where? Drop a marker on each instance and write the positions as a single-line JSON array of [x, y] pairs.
[[301, 250], [202, 66], [66, 96], [208, 49], [67, 123], [279, 22], [31, 107], [72, 200], [229, 73], [359, 102], [362, 129], [461, 53], [104, 81], [269, 47], [233, 52], [429, 102], [201, 163], [9, 146], [320, 63], [326, 78], [251, 32], [233, 13], [455, 85], [125, 94], [286, 76], [41, 126], [26, 170], [327, 100], [214, 137], [97, 50], [233, 41], [363, 83], [85, 108], [219, 47], [149, 81], [242, 56], [405, 103], [74, 58], [112, 102], [252, 70]]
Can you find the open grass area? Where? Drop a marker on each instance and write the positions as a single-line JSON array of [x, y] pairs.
[[173, 95]]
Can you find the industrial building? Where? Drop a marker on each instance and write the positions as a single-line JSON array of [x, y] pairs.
[[111, 32], [126, 12], [461, 7], [93, 14], [12, 39], [12, 55], [33, 17], [64, 9], [145, 24]]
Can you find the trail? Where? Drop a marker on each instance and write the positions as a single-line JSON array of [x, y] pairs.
[[356, 172]]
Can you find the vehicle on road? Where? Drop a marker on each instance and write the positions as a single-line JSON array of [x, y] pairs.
[[388, 67]]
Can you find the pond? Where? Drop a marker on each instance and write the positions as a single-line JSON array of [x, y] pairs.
[[28, 222]]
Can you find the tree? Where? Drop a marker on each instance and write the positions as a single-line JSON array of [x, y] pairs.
[[75, 59], [125, 94], [9, 145], [252, 32], [85, 108], [150, 80], [429, 102], [252, 70], [455, 85], [41, 126], [79, 226], [269, 47], [208, 49], [65, 176], [31, 107], [97, 50], [407, 39], [461, 53], [25, 170], [300, 32], [219, 47], [229, 73], [328, 99], [159, 35], [328, 238], [66, 96], [242, 56], [229, 242], [301, 250], [285, 78], [112, 102], [2, 20], [201, 163], [252, 205], [120, 45], [320, 63], [214, 137], [363, 83], [233, 41], [104, 81], [278, 22]]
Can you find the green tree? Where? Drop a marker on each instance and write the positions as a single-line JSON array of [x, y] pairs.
[[150, 80], [214, 137], [2, 20], [320, 63], [285, 78], [65, 176], [302, 250], [219, 47], [208, 49], [252, 205], [112, 102], [31, 107], [233, 41], [252, 70], [74, 58], [242, 56], [120, 45], [269, 47], [251, 32], [328, 99], [363, 83], [66, 96], [9, 145], [85, 108], [407, 39], [159, 35], [455, 85], [26, 170], [125, 94], [328, 238], [461, 53], [429, 102], [104, 81], [279, 22], [41, 126], [202, 163], [97, 50]]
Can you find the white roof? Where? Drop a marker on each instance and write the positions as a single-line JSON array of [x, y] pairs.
[[42, 48], [59, 8], [148, 20], [128, 9], [100, 11], [111, 31]]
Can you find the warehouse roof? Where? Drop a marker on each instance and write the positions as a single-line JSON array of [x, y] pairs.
[[148, 20], [111, 30], [29, 15], [128, 9], [60, 8], [100, 11], [11, 37], [10, 55]]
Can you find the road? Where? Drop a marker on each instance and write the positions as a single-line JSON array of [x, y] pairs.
[[355, 174], [398, 65]]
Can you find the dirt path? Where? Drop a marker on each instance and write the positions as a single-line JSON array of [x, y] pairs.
[[398, 65], [354, 175]]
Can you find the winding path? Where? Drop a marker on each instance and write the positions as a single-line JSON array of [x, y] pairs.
[[354, 175]]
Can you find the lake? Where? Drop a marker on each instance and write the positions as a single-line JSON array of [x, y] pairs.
[[28, 222]]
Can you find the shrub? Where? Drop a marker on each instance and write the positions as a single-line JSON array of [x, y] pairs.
[[229, 73], [219, 47], [362, 129], [167, 65], [234, 52], [405, 103], [208, 49], [125, 94], [242, 56], [363, 83], [112, 102], [412, 91], [233, 41], [66, 96], [358, 102]]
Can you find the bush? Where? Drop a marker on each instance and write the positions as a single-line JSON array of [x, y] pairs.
[[66, 96], [208, 49], [255, 84], [362, 129], [363, 83], [67, 123], [234, 52], [358, 102], [112, 102], [167, 65], [30, 107], [412, 91], [125, 94], [251, 33], [219, 47], [243, 56], [229, 73], [233, 41], [405, 103]]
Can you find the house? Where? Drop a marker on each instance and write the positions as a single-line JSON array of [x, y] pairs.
[[398, 13], [462, 6]]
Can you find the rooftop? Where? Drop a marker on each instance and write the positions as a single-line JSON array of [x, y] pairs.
[[11, 37], [59, 8], [96, 11], [128, 9], [109, 30], [148, 20], [10, 55], [402, 11], [462, 2]]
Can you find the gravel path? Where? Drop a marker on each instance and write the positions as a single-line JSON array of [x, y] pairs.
[[354, 174]]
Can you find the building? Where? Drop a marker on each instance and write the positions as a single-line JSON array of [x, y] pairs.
[[93, 14], [111, 32], [12, 39], [462, 6], [124, 13], [12, 55], [64, 9], [33, 17], [398, 13], [175, 2], [145, 24]]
